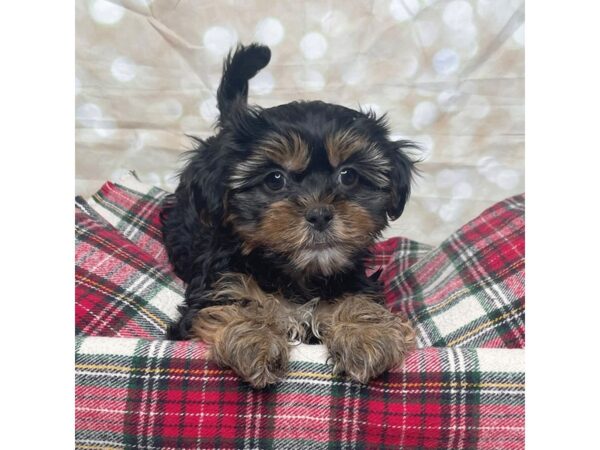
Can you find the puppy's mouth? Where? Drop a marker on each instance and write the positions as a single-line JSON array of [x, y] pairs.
[[320, 246], [321, 241], [320, 255]]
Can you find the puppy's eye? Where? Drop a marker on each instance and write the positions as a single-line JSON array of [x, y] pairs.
[[348, 177], [275, 181]]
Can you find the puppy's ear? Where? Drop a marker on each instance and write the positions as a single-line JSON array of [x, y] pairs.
[[240, 66], [401, 176], [202, 184]]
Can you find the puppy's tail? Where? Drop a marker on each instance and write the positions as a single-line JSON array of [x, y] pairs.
[[240, 66]]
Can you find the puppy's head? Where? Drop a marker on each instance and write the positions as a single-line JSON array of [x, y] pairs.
[[311, 182]]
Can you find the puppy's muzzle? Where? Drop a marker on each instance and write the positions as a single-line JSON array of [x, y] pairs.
[[319, 217]]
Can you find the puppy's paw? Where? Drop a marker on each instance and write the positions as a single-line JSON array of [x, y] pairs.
[[365, 339], [255, 353]]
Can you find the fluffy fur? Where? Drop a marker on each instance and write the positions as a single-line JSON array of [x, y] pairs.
[[270, 226]]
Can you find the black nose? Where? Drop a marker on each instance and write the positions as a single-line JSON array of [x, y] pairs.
[[319, 217]]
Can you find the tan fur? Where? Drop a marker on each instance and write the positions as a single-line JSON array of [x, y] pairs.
[[364, 338], [354, 224], [289, 151], [341, 145], [296, 318], [284, 230], [352, 227], [252, 339], [238, 286], [254, 344], [209, 322]]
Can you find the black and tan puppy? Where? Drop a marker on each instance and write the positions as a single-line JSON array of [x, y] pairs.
[[270, 227]]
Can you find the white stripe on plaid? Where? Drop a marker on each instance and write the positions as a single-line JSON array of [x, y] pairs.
[[495, 295], [108, 346], [500, 360]]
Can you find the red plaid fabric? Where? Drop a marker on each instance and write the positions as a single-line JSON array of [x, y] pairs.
[[120, 290], [133, 211], [163, 394], [463, 388], [469, 291]]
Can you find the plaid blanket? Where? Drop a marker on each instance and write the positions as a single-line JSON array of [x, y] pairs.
[[462, 388]]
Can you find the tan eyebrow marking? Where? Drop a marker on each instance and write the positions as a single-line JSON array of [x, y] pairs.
[[343, 144], [289, 151]]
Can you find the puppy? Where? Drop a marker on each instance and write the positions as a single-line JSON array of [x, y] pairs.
[[270, 228]]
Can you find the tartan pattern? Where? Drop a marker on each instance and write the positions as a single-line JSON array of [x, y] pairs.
[[401, 251], [119, 289], [469, 291], [463, 388], [164, 394], [132, 208]]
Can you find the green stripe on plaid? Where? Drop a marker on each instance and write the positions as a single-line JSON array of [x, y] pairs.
[[399, 251], [129, 220], [120, 290], [164, 394], [132, 208], [470, 290]]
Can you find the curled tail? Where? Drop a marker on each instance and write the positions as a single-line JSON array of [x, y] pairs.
[[241, 65]]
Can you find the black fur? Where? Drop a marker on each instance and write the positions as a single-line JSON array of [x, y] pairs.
[[239, 67], [202, 245]]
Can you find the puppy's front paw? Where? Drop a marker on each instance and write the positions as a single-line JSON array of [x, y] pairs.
[[255, 353], [365, 339]]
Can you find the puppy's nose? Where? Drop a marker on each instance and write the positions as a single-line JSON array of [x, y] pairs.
[[319, 217]]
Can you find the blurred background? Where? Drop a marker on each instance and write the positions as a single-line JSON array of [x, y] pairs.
[[450, 75]]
